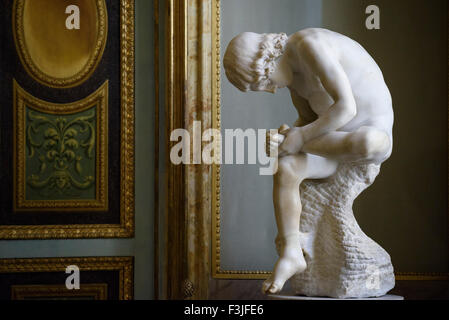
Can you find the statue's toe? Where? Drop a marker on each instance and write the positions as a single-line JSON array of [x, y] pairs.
[[276, 287]]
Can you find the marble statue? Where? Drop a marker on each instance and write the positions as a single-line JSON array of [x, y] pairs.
[[325, 160]]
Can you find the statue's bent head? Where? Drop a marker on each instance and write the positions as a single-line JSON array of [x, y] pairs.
[[250, 59]]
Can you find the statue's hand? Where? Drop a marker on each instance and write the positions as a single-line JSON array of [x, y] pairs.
[[293, 142], [273, 141]]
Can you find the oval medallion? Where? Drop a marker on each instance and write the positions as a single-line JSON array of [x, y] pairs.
[[52, 53]]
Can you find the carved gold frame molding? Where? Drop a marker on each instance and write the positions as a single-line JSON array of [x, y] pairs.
[[187, 207], [124, 266]]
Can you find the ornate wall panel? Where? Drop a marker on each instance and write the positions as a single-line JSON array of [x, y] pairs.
[[53, 292], [66, 120], [60, 152], [101, 278]]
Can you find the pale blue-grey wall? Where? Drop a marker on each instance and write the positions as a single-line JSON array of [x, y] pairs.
[[247, 224], [141, 246]]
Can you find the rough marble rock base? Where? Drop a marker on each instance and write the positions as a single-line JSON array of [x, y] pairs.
[[286, 297], [342, 262]]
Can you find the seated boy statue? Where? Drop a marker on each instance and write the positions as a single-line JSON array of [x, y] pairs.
[[345, 115]]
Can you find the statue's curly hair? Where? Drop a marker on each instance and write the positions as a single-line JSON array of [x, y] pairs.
[[249, 68]]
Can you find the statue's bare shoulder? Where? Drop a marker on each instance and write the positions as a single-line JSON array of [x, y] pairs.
[[327, 65], [307, 41]]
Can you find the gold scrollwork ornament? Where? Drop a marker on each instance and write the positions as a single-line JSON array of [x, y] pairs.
[[50, 142]]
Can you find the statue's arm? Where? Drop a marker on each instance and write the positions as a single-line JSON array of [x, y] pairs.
[[325, 65]]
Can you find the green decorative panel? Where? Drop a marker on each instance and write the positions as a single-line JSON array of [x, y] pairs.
[[61, 152], [60, 161]]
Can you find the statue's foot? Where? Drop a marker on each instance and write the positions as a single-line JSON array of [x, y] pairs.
[[290, 263]]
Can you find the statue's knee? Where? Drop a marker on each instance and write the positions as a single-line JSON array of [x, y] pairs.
[[372, 144], [289, 170]]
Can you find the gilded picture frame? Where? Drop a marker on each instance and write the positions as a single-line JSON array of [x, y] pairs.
[[217, 271], [44, 278]]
